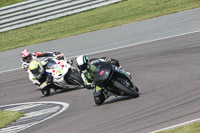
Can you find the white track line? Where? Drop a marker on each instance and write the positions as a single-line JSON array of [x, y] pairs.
[[65, 107], [141, 43], [121, 47], [10, 70], [178, 125]]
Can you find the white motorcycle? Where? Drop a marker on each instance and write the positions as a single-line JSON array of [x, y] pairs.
[[60, 75]]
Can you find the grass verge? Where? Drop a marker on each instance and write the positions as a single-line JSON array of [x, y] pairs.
[[9, 2], [191, 128], [7, 117], [123, 12]]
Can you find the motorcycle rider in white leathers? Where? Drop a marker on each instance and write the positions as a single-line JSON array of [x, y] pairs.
[[37, 74], [27, 57]]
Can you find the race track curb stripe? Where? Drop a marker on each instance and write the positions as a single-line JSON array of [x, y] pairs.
[[176, 126], [35, 113]]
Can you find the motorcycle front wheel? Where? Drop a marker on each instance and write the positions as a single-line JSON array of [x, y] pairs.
[[46, 91], [133, 92]]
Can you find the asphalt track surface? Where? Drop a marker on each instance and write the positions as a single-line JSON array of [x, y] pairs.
[[128, 34], [166, 72]]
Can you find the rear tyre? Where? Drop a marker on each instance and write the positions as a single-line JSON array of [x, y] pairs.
[[76, 79], [127, 90], [73, 78]]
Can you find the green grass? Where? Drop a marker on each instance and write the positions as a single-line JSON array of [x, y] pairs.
[[124, 12], [7, 117], [191, 128], [9, 2]]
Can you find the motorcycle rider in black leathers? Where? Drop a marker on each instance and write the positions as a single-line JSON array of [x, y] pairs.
[[87, 68]]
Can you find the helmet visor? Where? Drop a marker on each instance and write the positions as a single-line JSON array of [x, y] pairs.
[[28, 58], [82, 67], [36, 71]]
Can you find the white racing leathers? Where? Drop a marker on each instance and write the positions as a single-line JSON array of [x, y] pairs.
[[41, 56], [39, 80]]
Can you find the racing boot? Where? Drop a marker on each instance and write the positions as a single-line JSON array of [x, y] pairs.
[[107, 94], [99, 97]]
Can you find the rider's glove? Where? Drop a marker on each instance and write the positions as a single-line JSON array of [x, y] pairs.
[[70, 61], [49, 79], [90, 86], [60, 57], [25, 66], [114, 62], [93, 85]]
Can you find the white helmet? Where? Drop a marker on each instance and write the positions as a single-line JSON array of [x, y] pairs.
[[26, 56], [82, 62]]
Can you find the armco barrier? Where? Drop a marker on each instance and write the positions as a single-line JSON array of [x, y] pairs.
[[35, 11]]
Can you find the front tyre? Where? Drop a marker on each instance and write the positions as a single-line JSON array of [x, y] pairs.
[[136, 89], [99, 100], [133, 92], [99, 97], [46, 91]]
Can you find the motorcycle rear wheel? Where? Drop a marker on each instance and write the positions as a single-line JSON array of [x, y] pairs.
[[75, 79]]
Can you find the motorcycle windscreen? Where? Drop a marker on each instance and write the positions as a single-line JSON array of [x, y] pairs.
[[102, 73], [50, 66]]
